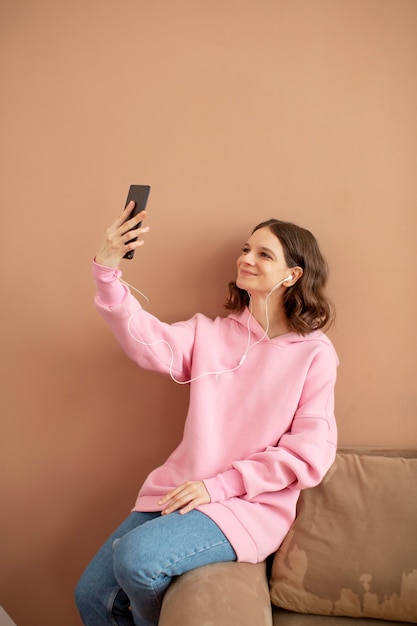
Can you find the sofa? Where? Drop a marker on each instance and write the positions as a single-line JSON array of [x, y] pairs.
[[350, 557]]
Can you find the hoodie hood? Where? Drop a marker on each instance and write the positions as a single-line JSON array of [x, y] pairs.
[[246, 320]]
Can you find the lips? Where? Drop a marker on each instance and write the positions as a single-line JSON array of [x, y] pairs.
[[246, 273]]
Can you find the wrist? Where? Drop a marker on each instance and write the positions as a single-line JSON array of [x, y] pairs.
[[110, 263]]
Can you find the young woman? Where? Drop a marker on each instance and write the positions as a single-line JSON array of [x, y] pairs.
[[260, 425]]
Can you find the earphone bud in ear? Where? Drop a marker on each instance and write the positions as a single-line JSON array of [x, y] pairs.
[[281, 282]]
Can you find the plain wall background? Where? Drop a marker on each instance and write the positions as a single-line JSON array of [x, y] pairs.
[[234, 111]]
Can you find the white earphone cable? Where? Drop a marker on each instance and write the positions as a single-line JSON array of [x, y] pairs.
[[217, 374], [137, 290]]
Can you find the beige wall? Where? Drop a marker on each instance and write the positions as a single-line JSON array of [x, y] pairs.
[[234, 111]]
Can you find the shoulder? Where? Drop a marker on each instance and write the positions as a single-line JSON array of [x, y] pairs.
[[324, 360], [218, 329], [220, 320], [317, 344], [203, 323], [319, 338]]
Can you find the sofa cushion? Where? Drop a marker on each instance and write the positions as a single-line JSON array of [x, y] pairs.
[[352, 550], [230, 594]]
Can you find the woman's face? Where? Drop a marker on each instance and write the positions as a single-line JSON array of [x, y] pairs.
[[262, 265]]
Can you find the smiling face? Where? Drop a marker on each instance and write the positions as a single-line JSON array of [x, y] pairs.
[[262, 265]]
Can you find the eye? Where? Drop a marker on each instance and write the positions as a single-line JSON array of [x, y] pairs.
[[245, 249], [265, 255]]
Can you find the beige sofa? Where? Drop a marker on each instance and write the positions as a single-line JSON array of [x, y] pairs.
[[350, 557]]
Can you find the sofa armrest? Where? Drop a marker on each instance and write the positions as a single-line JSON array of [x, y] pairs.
[[221, 594]]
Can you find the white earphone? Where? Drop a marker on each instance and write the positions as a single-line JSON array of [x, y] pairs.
[[281, 282]]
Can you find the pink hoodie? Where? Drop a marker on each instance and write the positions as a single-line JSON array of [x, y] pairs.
[[255, 435]]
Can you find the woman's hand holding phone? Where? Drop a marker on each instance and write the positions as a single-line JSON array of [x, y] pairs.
[[121, 237]]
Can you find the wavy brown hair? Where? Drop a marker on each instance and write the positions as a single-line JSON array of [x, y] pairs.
[[305, 303]]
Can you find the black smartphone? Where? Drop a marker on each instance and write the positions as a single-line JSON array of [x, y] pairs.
[[139, 194]]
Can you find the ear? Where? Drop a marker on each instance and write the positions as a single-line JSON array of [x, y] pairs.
[[296, 273]]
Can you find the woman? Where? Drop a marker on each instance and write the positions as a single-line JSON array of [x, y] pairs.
[[260, 423]]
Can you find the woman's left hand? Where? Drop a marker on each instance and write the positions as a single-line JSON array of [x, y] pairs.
[[186, 497]]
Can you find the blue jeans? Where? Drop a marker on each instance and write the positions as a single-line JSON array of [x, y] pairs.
[[136, 564]]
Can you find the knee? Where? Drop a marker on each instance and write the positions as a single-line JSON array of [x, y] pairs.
[[123, 563], [132, 564]]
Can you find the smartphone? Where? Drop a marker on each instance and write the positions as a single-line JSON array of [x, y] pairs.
[[139, 194]]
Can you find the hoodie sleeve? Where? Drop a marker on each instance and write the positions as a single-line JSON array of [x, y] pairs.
[[150, 343], [302, 456]]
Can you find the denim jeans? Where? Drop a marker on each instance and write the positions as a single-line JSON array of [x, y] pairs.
[[136, 564]]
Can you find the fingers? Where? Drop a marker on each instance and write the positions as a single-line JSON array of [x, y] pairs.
[[130, 229], [133, 233], [121, 237], [123, 223], [185, 498]]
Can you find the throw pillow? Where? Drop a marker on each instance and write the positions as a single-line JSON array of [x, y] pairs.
[[352, 550]]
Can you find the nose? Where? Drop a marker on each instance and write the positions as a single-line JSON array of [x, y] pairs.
[[247, 257]]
